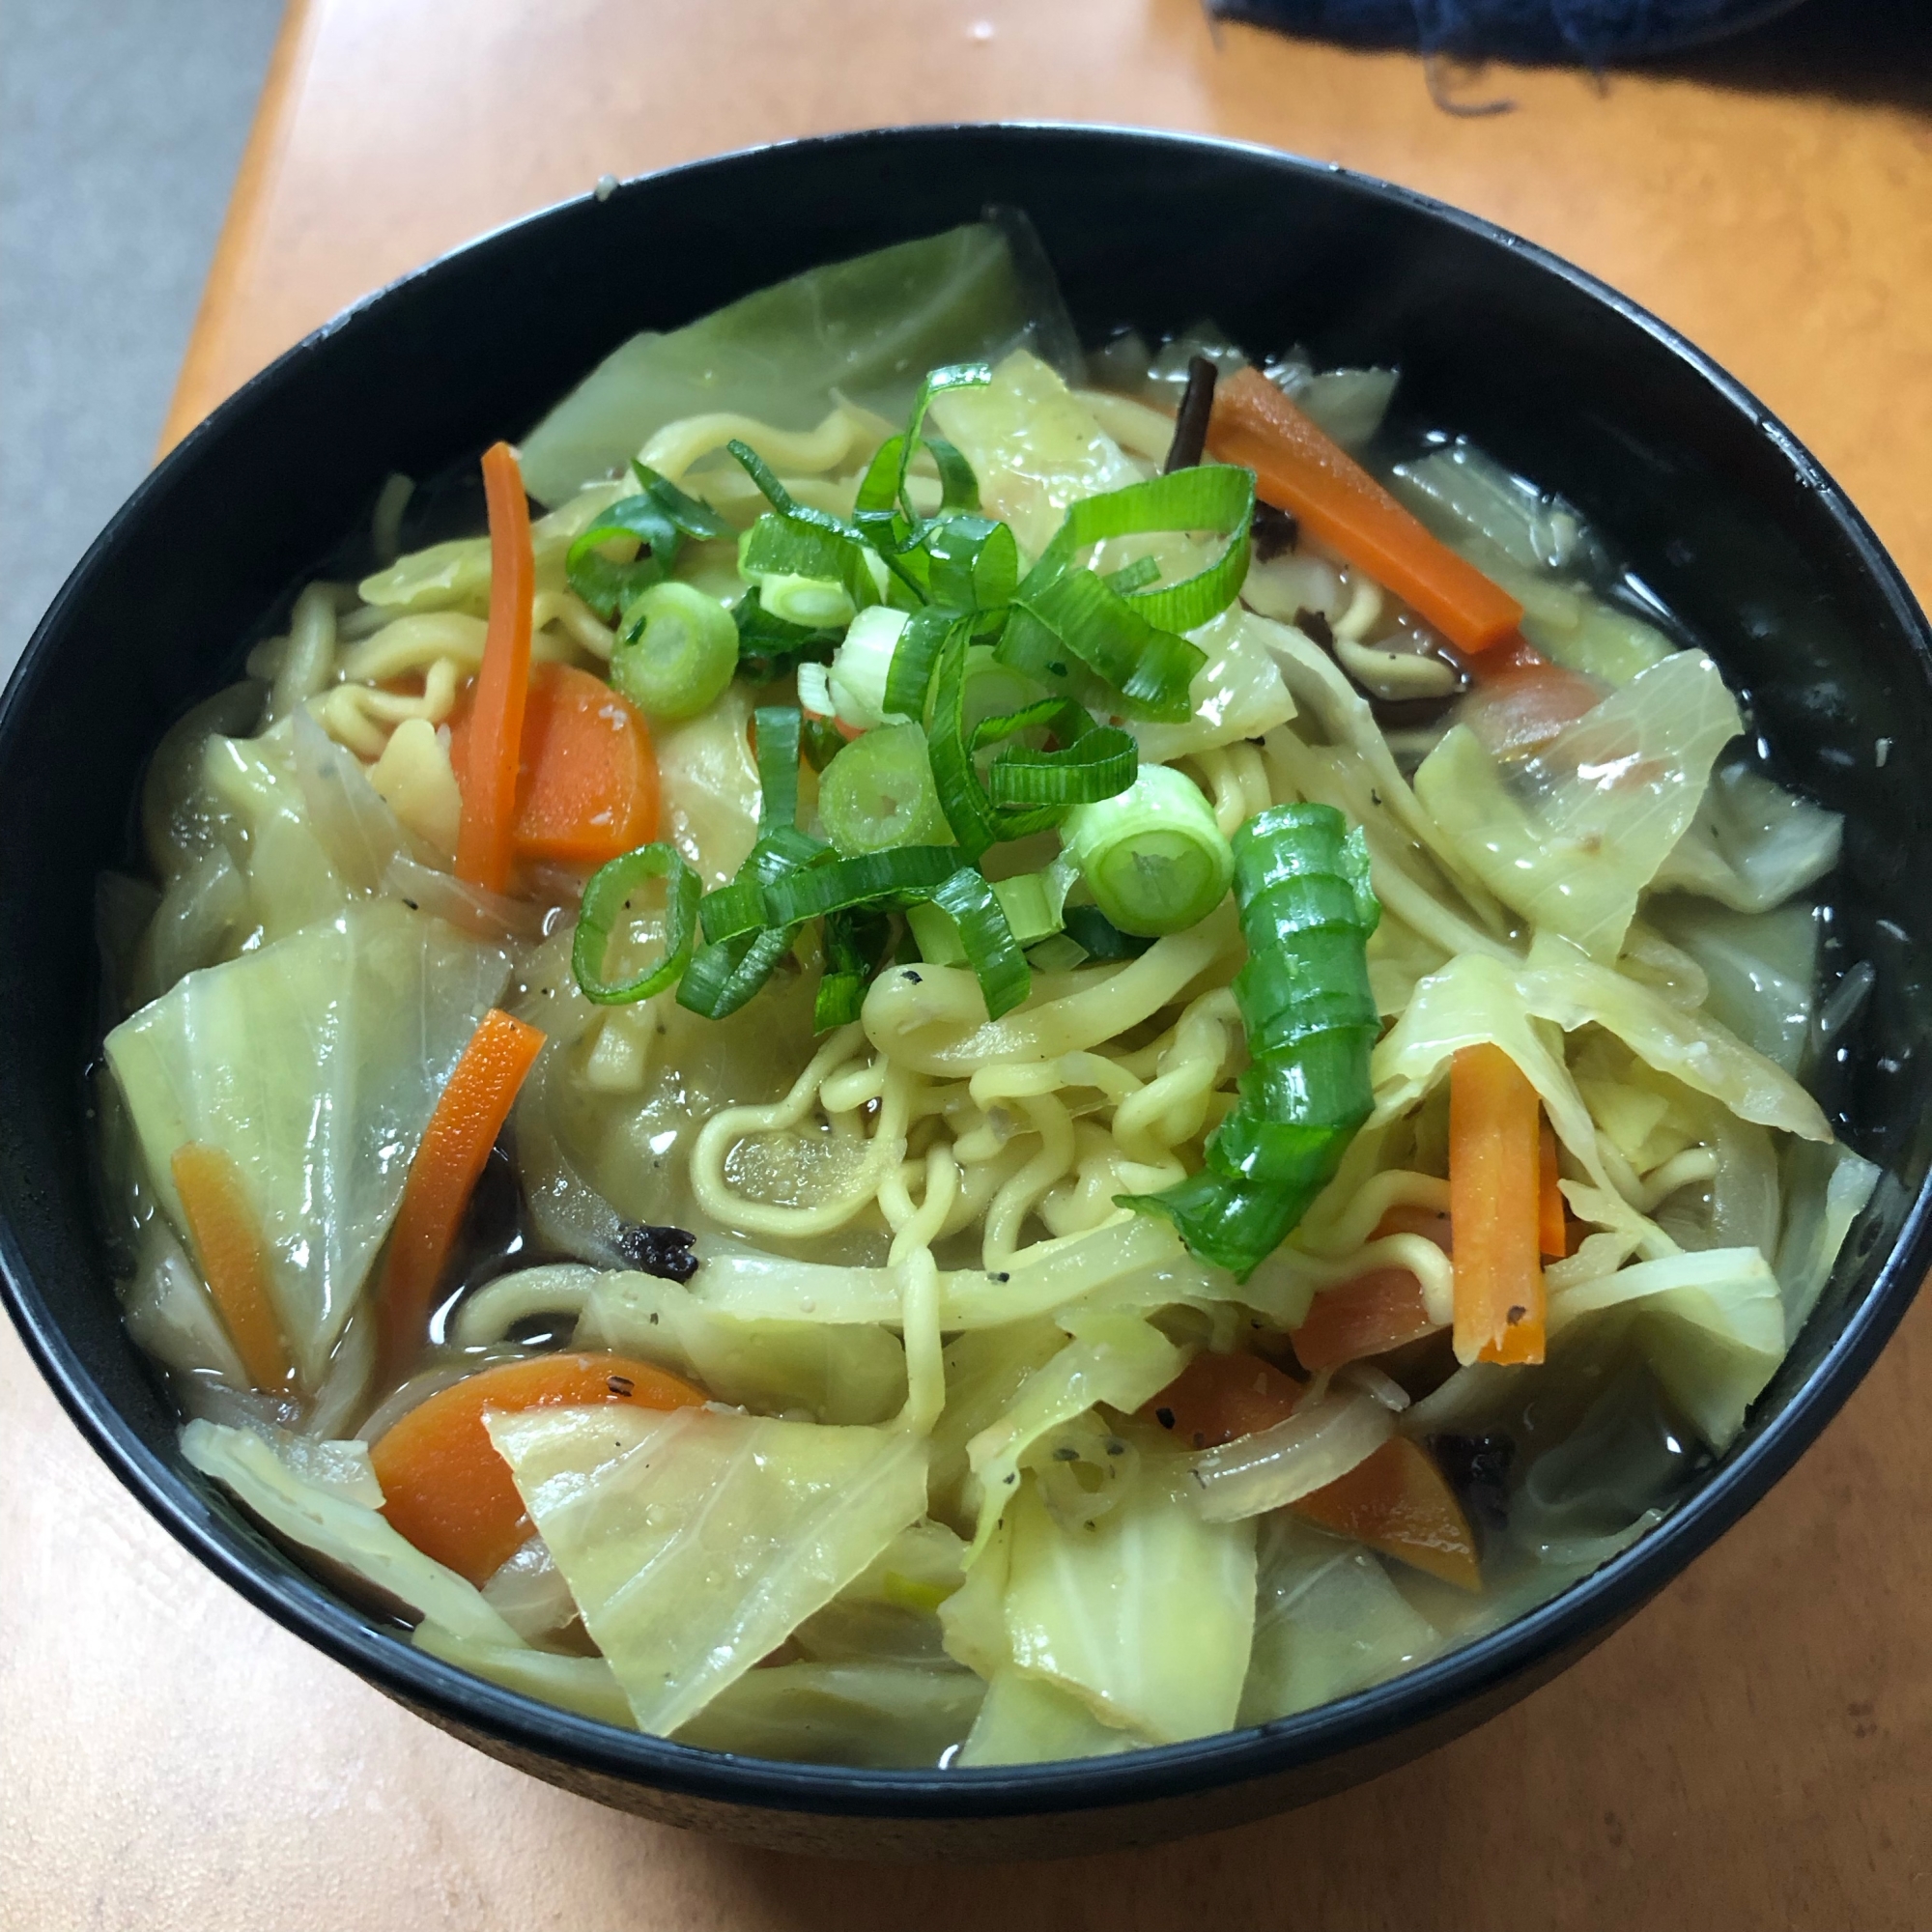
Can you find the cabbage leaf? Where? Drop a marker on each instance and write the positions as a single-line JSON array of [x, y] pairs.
[[1027, 1720], [866, 329], [1710, 1324], [1571, 836], [331, 1509], [585, 1685], [887, 1716], [1239, 692], [1115, 1356], [838, 1373], [1752, 845], [1145, 1615], [695, 1542], [1328, 1621], [1033, 445], [315, 1063], [1760, 968], [1826, 1189]]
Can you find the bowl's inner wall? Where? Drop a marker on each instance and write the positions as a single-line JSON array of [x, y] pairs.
[[1543, 374]]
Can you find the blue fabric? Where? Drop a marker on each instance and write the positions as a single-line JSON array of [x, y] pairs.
[[1590, 31]]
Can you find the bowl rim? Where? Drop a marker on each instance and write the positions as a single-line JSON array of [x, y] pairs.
[[1576, 1615]]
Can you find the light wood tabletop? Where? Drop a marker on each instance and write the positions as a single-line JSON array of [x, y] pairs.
[[1754, 1749]]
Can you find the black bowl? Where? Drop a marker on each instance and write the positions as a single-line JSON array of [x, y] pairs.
[[1722, 513]]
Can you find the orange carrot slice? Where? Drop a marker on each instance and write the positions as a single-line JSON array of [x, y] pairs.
[[233, 1262], [1298, 468], [1216, 1398], [1495, 1196], [1376, 1312], [470, 1114], [587, 779], [1553, 1234], [1399, 1502], [445, 1487], [483, 844]]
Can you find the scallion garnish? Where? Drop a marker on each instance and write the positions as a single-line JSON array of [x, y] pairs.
[[878, 793], [604, 901], [659, 519], [1153, 857], [676, 651], [1301, 881]]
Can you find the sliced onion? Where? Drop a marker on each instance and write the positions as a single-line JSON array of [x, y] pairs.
[[361, 835], [469, 909], [1320, 1441], [1375, 1383]]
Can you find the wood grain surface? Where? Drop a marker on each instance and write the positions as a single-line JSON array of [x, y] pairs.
[[1754, 1749]]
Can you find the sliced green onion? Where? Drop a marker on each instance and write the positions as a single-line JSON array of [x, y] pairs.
[[914, 658], [1153, 857], [1098, 937], [604, 901], [721, 978], [860, 672], [850, 544], [1212, 497], [1102, 764], [1307, 911], [995, 957], [1151, 668], [770, 647], [885, 484], [856, 942], [870, 879], [676, 651], [878, 793], [1134, 576], [820, 740], [966, 806], [658, 518], [738, 908], [999, 702], [976, 563], [775, 730], [1032, 905]]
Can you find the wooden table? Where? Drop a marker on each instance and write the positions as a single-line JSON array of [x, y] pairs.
[[1755, 1749]]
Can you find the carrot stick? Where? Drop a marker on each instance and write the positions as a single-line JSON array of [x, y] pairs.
[[1553, 1236], [445, 1487], [1376, 1312], [489, 806], [214, 1199], [1216, 1398], [469, 1116], [1495, 1192], [1399, 1502], [588, 779], [1297, 467]]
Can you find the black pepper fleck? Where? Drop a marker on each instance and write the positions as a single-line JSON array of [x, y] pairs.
[[622, 1385], [1165, 1417]]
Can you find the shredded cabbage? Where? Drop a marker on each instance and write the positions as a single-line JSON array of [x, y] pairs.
[[1145, 1615], [837, 1372], [327, 1508], [885, 1714], [1574, 835], [1826, 1189], [1026, 1719], [585, 1685], [1328, 1622], [1712, 1326], [315, 1063], [1760, 969], [695, 1542], [1115, 1356], [1239, 692], [1033, 445], [866, 329], [1752, 845], [278, 852]]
